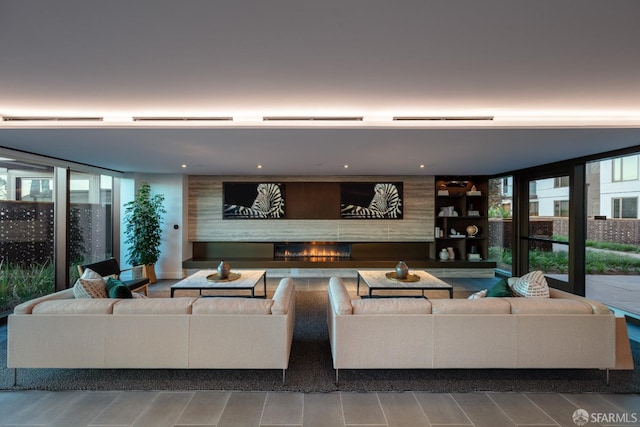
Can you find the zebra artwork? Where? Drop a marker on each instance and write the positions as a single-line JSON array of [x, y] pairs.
[[385, 204], [268, 203]]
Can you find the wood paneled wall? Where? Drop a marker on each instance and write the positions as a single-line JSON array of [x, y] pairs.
[[206, 223]]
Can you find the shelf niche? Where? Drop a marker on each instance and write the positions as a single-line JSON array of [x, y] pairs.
[[462, 205]]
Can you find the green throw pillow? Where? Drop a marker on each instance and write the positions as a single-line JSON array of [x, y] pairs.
[[117, 289], [500, 289]]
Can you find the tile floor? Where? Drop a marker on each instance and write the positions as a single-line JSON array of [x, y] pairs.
[[236, 409]]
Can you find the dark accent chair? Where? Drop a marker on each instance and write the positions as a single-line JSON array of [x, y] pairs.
[[110, 267]]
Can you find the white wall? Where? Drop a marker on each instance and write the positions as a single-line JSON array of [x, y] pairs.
[[174, 248]]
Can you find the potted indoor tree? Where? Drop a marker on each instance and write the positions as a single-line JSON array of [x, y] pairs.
[[143, 218]]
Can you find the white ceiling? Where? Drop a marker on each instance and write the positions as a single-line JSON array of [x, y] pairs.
[[561, 79]]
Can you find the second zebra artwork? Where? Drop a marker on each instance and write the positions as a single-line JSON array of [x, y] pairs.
[[367, 200]]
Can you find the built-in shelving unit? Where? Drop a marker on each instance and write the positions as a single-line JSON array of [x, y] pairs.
[[461, 218]]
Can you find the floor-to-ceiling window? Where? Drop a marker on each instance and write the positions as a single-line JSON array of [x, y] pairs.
[[27, 210], [612, 235], [90, 219], [52, 218], [501, 223], [549, 224]]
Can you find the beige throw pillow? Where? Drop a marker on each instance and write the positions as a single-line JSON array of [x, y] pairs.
[[532, 284], [90, 285], [480, 294]]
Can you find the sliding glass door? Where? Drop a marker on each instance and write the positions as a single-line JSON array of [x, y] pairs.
[[548, 218]]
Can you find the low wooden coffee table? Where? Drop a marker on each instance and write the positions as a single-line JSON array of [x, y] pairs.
[[378, 280], [248, 280]]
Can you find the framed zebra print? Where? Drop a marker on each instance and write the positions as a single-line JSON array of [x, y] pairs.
[[371, 200], [253, 200]]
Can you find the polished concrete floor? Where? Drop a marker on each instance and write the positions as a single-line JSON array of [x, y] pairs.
[[235, 408]]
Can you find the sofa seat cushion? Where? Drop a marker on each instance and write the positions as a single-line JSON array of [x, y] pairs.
[[391, 306], [233, 305], [180, 305], [470, 306], [549, 306], [282, 296], [75, 306], [340, 297]]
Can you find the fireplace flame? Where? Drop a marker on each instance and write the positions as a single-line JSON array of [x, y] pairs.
[[314, 252]]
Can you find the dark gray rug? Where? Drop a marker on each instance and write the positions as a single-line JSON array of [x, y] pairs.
[[310, 370]]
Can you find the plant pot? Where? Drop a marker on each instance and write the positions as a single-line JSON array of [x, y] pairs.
[[150, 273]]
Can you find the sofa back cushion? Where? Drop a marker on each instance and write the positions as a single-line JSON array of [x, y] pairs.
[[548, 306], [180, 305], [339, 296], [596, 306], [27, 306], [391, 306], [76, 306], [282, 296], [233, 305], [470, 306]]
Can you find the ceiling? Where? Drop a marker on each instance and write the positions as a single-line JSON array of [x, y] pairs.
[[560, 80]]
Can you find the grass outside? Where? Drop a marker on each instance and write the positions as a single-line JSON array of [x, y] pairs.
[[558, 262], [22, 283]]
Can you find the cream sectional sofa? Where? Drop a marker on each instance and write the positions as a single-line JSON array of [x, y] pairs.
[[59, 331], [564, 331]]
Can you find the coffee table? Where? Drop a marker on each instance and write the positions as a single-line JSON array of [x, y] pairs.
[[378, 280], [248, 280]]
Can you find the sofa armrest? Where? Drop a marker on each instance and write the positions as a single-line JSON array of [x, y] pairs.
[[339, 297], [282, 296]]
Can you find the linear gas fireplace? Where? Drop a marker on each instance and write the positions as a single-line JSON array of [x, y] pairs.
[[312, 251], [310, 254]]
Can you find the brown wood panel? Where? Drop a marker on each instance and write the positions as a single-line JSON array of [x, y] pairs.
[[313, 200]]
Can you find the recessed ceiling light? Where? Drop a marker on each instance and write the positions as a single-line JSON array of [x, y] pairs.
[[346, 166], [184, 166], [421, 166], [259, 166]]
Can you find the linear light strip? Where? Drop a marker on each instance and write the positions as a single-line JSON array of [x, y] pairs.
[[313, 118], [182, 119], [50, 119], [441, 118]]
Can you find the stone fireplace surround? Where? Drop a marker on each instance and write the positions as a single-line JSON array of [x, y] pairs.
[[315, 255]]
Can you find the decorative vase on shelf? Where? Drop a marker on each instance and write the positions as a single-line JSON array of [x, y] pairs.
[[223, 269], [402, 271], [443, 254], [452, 254]]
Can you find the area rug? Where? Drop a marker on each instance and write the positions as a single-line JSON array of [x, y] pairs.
[[310, 370]]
